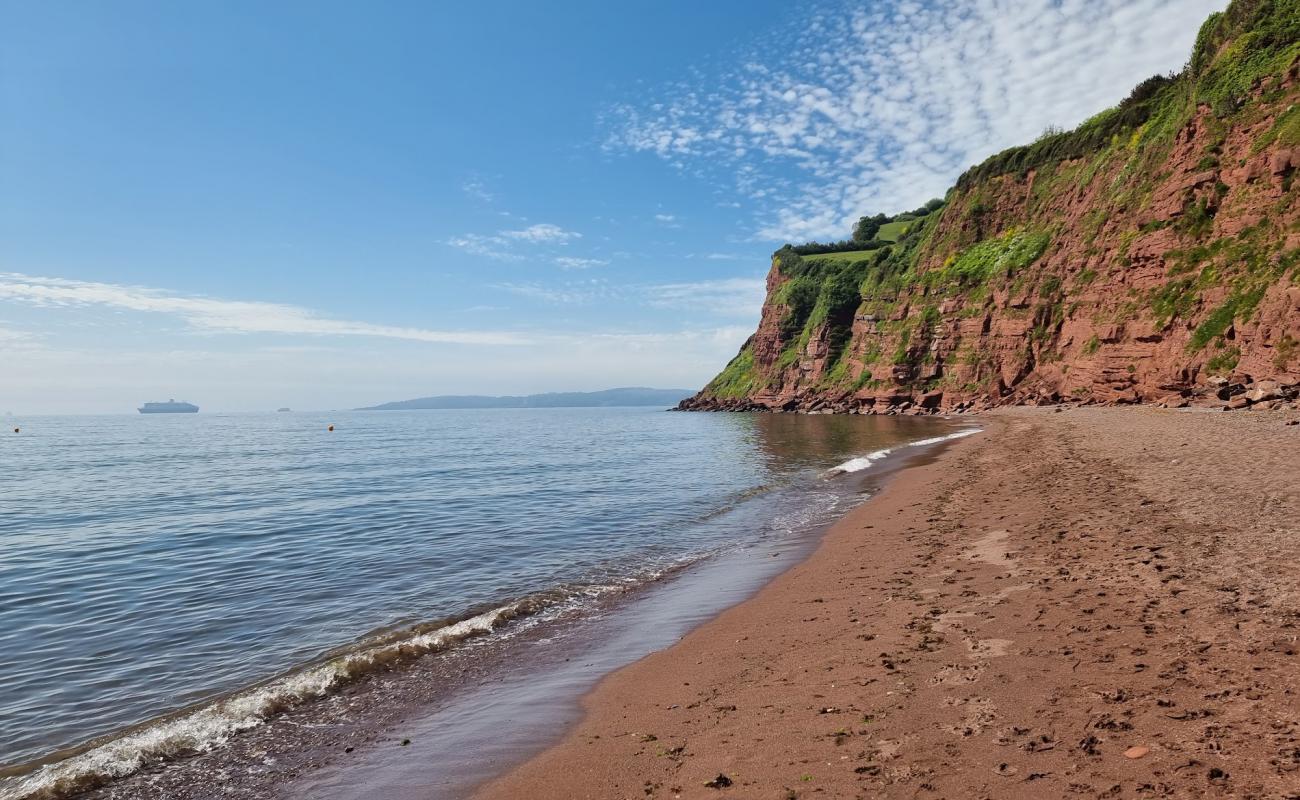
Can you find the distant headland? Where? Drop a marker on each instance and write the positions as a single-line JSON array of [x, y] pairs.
[[629, 396]]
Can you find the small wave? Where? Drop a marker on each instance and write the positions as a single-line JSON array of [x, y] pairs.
[[863, 462], [208, 726], [202, 729]]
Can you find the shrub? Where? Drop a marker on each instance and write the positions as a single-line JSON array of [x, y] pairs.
[[1003, 255], [1224, 361]]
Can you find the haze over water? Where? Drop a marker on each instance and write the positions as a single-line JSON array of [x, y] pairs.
[[151, 562]]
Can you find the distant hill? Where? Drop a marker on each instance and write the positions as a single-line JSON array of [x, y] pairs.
[[632, 396]]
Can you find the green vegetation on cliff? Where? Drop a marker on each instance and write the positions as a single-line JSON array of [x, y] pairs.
[[738, 379], [1000, 256]]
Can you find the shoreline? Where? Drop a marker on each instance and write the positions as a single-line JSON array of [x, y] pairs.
[[1079, 603], [487, 730], [307, 741]]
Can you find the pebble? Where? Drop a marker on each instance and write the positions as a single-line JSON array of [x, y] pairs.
[[1137, 752]]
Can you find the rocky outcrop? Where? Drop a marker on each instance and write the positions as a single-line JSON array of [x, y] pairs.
[[1159, 265]]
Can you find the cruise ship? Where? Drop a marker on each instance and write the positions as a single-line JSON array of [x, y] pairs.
[[170, 407]]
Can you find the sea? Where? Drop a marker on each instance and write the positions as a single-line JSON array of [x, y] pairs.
[[170, 582]]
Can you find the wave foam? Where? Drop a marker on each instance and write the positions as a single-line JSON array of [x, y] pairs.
[[863, 462], [211, 725]]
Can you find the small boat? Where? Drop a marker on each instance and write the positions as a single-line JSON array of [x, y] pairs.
[[170, 407]]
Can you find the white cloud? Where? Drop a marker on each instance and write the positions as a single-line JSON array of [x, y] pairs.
[[878, 107], [728, 339], [505, 245], [211, 315], [61, 366], [569, 262], [737, 297], [578, 292], [478, 190], [100, 379], [13, 340], [480, 245], [543, 233]]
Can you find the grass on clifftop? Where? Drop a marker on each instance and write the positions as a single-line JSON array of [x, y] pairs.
[[893, 231]]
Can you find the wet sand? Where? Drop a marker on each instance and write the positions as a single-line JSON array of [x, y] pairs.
[[1091, 603]]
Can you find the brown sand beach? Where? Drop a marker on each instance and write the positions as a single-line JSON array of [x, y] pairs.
[[1090, 603]]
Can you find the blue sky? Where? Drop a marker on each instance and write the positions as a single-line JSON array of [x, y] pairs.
[[326, 204]]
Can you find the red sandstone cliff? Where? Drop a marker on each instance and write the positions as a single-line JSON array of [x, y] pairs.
[[1161, 265]]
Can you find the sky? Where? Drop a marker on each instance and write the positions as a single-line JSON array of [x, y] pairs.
[[325, 205]]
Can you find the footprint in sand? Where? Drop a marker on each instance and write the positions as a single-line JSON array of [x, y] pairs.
[[957, 674], [988, 648], [979, 713], [991, 548]]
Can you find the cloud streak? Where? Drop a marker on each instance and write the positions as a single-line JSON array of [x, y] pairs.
[[569, 262], [211, 315], [735, 297], [572, 293], [878, 107], [543, 233], [504, 245], [483, 245]]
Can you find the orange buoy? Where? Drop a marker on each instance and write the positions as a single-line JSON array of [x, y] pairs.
[[331, 427]]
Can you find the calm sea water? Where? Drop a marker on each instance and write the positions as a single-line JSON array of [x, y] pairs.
[[149, 563]]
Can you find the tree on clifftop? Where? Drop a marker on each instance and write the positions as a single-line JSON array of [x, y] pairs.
[[867, 227]]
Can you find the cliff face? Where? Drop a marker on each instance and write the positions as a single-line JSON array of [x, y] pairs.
[[1153, 254]]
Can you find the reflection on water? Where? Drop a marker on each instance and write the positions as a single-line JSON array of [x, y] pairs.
[[823, 440]]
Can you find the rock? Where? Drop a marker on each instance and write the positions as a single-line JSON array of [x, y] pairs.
[[930, 399], [1137, 752], [930, 371], [1254, 171], [1229, 390], [1240, 401], [1264, 390], [720, 782]]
